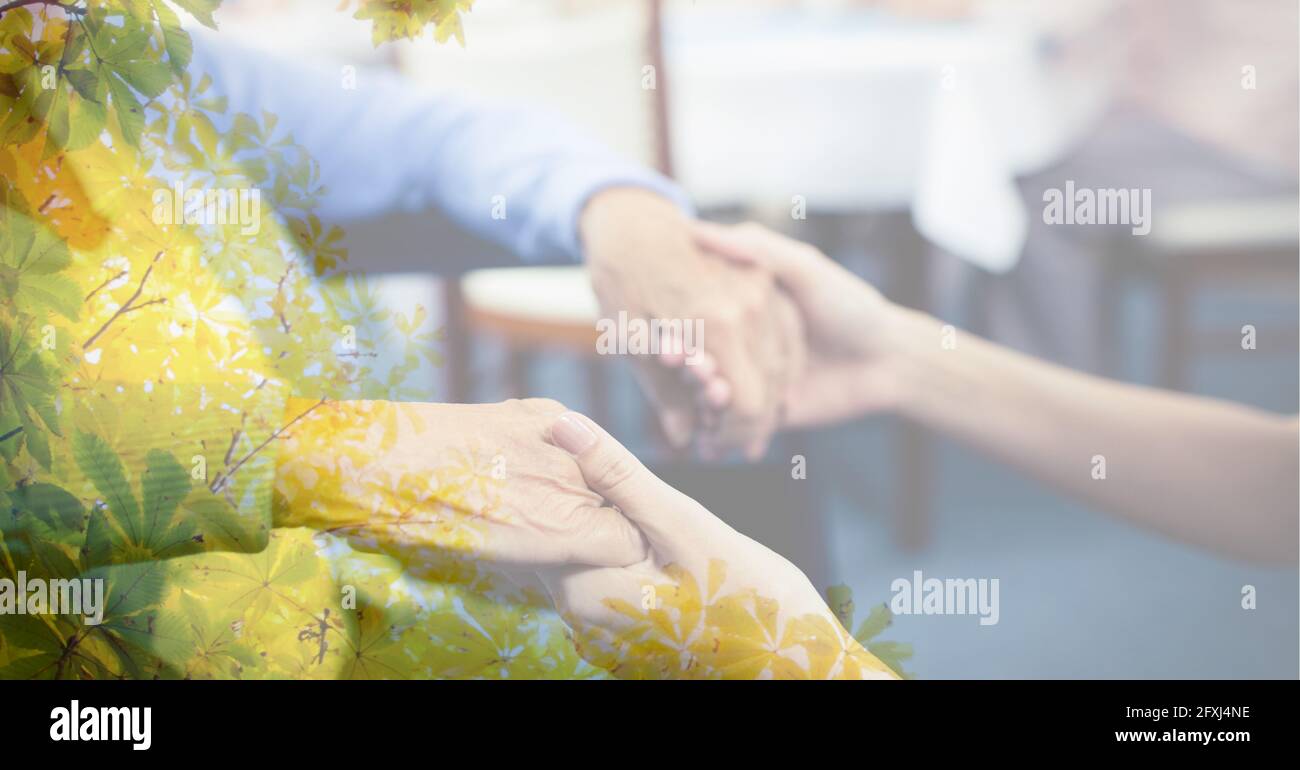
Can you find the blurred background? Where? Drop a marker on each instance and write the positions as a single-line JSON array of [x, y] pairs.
[[919, 138]]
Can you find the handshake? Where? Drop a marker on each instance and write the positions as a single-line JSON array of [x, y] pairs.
[[648, 582], [792, 339]]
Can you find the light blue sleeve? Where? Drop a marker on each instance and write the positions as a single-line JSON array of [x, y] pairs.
[[389, 144]]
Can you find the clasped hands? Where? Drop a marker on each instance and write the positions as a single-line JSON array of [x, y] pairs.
[[650, 583]]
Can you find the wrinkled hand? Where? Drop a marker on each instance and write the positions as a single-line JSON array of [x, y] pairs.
[[644, 261], [706, 602], [435, 483], [850, 327]]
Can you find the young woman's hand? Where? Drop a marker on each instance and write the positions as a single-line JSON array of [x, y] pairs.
[[706, 601], [851, 329]]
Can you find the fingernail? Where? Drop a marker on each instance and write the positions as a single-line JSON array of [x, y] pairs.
[[571, 434]]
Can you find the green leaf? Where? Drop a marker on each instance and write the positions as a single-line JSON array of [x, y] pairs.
[[31, 258], [130, 588], [148, 77], [30, 632], [52, 504], [201, 10], [892, 654], [104, 469], [180, 48], [224, 527], [75, 120], [85, 83], [840, 600], [27, 391], [102, 540], [131, 65], [130, 114], [57, 292], [165, 484], [879, 619]]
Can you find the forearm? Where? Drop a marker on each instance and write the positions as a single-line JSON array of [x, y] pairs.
[[372, 472], [633, 222], [517, 176], [1213, 473]]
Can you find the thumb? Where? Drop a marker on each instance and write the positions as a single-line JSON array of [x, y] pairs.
[[749, 243], [796, 265], [662, 513]]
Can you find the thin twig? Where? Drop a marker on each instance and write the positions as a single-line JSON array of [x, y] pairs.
[[55, 3], [100, 287], [220, 481], [126, 308]]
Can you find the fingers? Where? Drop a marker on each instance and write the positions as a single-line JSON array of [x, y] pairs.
[[712, 390], [746, 243], [794, 263], [699, 371], [608, 539], [724, 241], [673, 400], [731, 338], [611, 471]]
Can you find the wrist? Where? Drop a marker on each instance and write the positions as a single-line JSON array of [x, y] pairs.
[[887, 371], [616, 219]]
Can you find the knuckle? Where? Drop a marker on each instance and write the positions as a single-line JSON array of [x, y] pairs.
[[807, 251], [726, 316], [544, 407], [615, 471]]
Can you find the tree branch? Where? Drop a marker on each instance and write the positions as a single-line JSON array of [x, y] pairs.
[[221, 479], [126, 308], [20, 3], [99, 288]]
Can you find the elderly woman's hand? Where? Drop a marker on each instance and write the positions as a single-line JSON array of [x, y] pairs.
[[705, 602], [433, 484]]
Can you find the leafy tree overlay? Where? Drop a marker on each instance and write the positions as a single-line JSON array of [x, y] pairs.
[[144, 368], [407, 19], [892, 654]]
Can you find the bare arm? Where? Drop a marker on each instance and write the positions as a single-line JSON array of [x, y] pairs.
[[1216, 474]]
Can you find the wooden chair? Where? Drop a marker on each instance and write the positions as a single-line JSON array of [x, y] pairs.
[[1241, 243]]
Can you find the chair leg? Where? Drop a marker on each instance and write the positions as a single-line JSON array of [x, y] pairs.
[[518, 364], [915, 444], [456, 357], [1110, 312], [598, 392], [1176, 329]]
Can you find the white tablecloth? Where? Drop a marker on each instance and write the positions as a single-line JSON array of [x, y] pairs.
[[856, 111]]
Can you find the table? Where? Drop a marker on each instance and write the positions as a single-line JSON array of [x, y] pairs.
[[856, 111]]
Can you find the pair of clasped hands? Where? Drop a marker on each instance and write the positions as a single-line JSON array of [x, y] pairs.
[[791, 339]]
